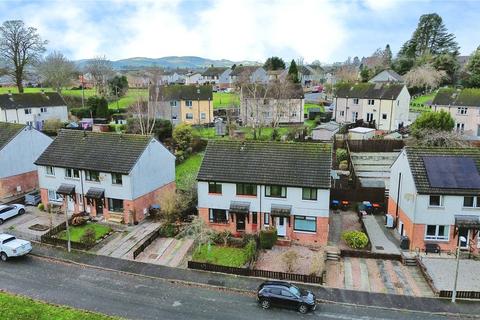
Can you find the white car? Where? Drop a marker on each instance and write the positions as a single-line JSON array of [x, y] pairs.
[[13, 247], [9, 211]]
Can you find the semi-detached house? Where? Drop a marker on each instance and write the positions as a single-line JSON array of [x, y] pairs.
[[20, 146], [435, 197], [386, 105], [244, 187], [32, 109], [117, 176]]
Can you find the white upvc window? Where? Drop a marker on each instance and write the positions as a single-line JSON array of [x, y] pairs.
[[54, 196], [342, 113], [459, 127], [462, 110], [471, 202], [72, 173], [435, 201], [437, 232], [188, 103], [371, 102], [355, 100], [28, 110], [43, 109], [50, 170]]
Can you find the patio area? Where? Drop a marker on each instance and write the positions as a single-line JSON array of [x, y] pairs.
[[167, 252], [442, 272], [307, 260]]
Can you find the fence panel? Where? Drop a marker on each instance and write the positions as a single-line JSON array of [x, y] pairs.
[[255, 273], [460, 294]]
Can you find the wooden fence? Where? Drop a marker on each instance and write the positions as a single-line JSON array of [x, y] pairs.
[[375, 145], [375, 195], [370, 255], [50, 238], [460, 294], [255, 273]]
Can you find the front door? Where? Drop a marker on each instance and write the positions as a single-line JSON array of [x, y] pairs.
[[99, 207], [464, 232], [240, 221], [70, 204], [281, 226]]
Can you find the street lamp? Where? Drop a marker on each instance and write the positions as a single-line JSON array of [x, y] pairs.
[[454, 292]]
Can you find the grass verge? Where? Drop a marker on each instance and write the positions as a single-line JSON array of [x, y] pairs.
[[15, 307]]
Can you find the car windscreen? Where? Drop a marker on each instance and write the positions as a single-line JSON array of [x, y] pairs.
[[294, 290], [8, 240]]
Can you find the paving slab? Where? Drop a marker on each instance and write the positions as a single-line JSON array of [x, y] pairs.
[[442, 272], [379, 240]]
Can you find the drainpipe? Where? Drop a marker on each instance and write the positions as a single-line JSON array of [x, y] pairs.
[[398, 198], [261, 213], [391, 116], [379, 114], [83, 193]]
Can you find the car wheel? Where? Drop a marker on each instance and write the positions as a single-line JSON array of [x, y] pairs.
[[1, 221], [21, 211], [303, 309], [3, 256], [265, 304]]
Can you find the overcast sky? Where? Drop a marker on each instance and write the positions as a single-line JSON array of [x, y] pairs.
[[237, 29]]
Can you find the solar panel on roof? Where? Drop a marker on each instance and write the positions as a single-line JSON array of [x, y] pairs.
[[452, 172]]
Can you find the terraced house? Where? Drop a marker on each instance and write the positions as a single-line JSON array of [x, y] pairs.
[[244, 187], [192, 104], [384, 104], [20, 146], [463, 106], [117, 176], [434, 197], [32, 109]]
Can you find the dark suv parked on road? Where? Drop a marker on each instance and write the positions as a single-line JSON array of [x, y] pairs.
[[285, 295]]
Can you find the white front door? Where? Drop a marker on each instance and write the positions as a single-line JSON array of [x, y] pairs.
[[70, 204], [281, 226]]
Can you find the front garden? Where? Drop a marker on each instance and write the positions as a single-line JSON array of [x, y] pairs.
[[225, 255], [80, 233]]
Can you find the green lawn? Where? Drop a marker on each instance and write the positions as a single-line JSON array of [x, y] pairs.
[[312, 105], [132, 96], [424, 99], [188, 170], [225, 256], [19, 308], [223, 99], [76, 232]]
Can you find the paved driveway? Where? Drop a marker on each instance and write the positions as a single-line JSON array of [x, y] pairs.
[[375, 275]]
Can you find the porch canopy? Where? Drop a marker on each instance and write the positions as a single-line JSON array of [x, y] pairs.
[[280, 210], [95, 193], [66, 189], [467, 222], [239, 207]]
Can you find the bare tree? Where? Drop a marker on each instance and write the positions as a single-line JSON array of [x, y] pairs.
[[145, 112], [282, 92], [425, 76], [101, 71], [56, 71], [439, 138], [346, 73], [20, 46]]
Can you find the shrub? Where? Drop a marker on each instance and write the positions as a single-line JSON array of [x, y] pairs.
[[343, 165], [268, 237], [342, 154], [41, 207], [250, 250], [168, 230], [88, 238], [81, 112], [355, 239], [225, 237], [289, 258]]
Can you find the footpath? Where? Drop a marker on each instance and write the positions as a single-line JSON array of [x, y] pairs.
[[324, 294]]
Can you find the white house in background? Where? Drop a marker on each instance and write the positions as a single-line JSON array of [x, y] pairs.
[[435, 197], [193, 78], [386, 105], [285, 185], [387, 76], [213, 75], [20, 146], [252, 74], [117, 176], [309, 76], [32, 108], [463, 106]]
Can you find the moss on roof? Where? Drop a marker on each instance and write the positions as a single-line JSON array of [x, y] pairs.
[[182, 92], [369, 90], [449, 96], [8, 131]]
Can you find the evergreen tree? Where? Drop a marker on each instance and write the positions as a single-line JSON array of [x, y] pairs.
[[473, 70], [430, 36], [274, 63], [364, 74], [293, 72], [387, 56]]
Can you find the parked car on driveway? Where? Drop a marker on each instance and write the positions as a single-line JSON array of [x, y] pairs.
[[9, 211], [285, 295], [13, 247]]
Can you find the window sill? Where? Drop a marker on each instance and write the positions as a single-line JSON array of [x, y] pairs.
[[436, 240], [117, 184], [92, 181], [214, 194], [470, 208], [219, 223], [50, 175], [436, 207], [70, 178], [116, 212], [246, 196], [305, 232]]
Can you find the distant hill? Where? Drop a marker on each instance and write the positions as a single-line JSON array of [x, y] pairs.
[[185, 62]]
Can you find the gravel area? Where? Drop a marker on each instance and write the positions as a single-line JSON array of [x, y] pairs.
[[442, 272], [308, 261], [340, 222]]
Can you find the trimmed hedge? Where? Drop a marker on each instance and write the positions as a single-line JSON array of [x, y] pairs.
[[268, 237]]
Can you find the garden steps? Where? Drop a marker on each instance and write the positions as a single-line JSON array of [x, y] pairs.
[[168, 255], [332, 253], [181, 253], [284, 242], [116, 217]]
